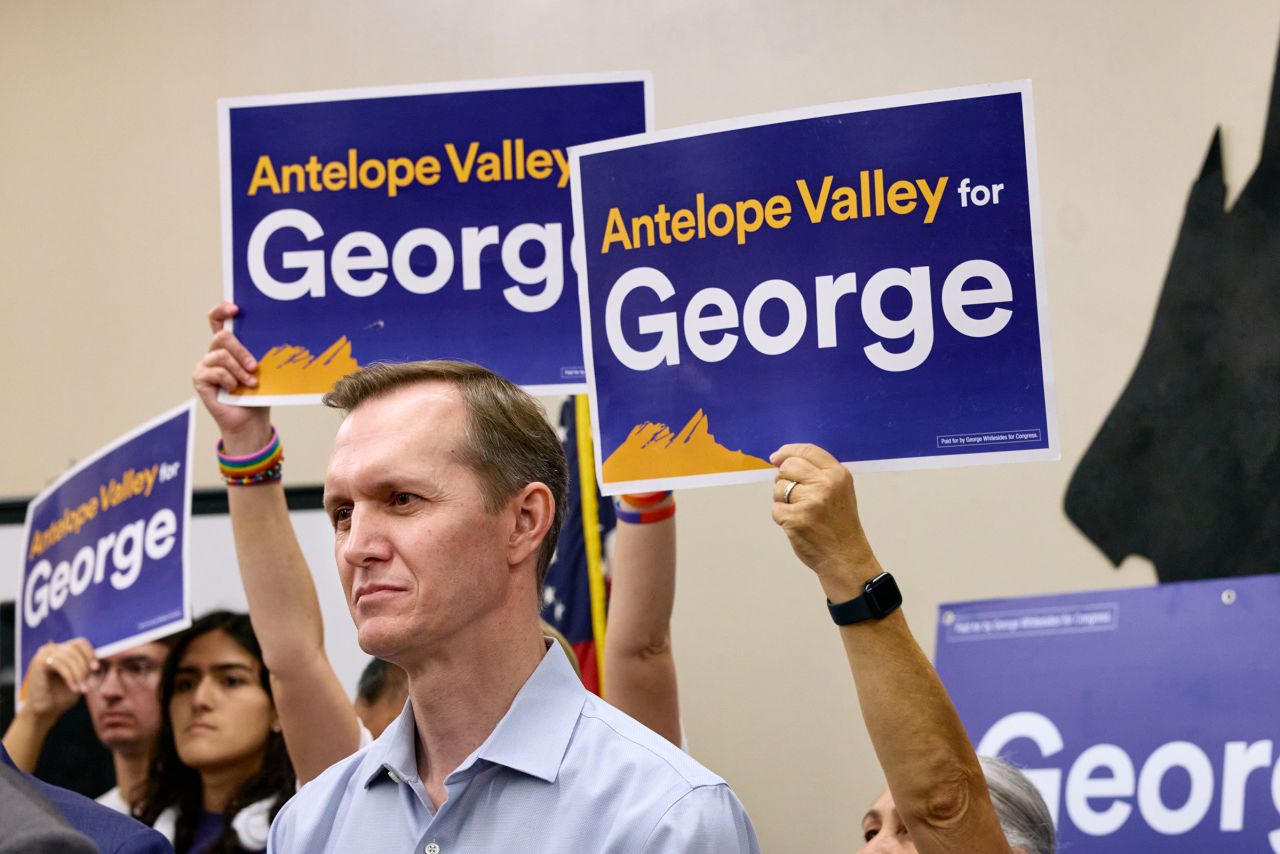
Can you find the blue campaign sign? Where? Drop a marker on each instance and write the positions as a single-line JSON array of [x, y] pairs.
[[105, 547], [866, 276], [411, 222], [1146, 717]]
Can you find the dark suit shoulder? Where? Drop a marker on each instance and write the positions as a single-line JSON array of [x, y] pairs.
[[114, 833]]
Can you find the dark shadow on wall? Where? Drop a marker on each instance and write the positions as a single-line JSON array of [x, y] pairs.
[[1186, 469]]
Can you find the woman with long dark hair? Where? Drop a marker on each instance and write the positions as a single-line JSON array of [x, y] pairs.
[[221, 771]]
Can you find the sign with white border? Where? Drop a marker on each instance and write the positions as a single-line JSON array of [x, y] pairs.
[[1146, 716], [866, 276], [104, 549], [411, 222]]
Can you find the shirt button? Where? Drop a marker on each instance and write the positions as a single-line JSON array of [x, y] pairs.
[[432, 848], [395, 778]]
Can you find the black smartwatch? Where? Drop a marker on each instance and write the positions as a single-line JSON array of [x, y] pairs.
[[880, 598]]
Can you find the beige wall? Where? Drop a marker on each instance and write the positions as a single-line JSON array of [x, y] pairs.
[[110, 245]]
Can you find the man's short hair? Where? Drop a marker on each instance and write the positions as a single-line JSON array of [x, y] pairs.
[[379, 679], [507, 441]]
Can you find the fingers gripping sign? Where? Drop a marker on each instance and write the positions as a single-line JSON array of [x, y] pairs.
[[58, 676], [815, 504], [227, 366]]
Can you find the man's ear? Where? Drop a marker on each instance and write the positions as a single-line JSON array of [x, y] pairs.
[[533, 508]]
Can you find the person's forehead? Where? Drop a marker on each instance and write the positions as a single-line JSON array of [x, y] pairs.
[[884, 805], [152, 651], [215, 649], [408, 406], [424, 419]]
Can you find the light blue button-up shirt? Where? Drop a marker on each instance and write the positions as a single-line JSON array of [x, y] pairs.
[[562, 773]]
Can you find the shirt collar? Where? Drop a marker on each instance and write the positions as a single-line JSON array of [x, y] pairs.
[[532, 736], [534, 733], [394, 751]]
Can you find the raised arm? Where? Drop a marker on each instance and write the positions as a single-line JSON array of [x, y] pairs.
[[56, 678], [928, 762], [320, 726], [639, 670]]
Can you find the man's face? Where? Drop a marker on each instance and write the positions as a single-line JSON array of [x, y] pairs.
[[419, 556], [124, 697]]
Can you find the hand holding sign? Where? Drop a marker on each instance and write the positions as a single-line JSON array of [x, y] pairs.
[[815, 504], [322, 727], [228, 366], [935, 781], [59, 675], [104, 548]]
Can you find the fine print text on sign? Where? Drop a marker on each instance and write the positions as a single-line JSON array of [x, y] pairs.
[[411, 222], [1146, 717], [104, 548], [865, 276]]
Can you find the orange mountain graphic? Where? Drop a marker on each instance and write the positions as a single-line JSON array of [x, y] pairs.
[[652, 450], [293, 370]]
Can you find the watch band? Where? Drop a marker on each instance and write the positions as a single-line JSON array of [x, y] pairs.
[[880, 597], [856, 610]]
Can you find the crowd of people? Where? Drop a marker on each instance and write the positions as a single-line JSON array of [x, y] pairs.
[[471, 730]]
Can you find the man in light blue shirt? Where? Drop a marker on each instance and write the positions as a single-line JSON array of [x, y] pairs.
[[562, 772], [446, 489]]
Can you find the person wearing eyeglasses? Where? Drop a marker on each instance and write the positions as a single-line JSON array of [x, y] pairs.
[[122, 692]]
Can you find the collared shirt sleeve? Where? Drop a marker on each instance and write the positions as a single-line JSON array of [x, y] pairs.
[[278, 836], [707, 820]]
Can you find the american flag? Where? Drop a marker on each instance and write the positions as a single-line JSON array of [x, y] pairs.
[[566, 596]]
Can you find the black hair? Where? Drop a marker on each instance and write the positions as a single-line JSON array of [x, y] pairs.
[[378, 678], [173, 784]]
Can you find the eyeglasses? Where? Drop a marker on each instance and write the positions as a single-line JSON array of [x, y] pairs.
[[134, 673]]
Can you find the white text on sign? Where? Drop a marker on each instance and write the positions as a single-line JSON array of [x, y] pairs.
[[358, 261], [712, 315], [48, 586]]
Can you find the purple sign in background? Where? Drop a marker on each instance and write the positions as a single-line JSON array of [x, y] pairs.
[[1146, 716], [104, 549], [442, 229], [863, 276]]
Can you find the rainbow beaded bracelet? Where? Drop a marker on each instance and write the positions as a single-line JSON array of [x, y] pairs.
[[262, 466]]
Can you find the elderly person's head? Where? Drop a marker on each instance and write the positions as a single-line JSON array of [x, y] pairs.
[[1022, 812]]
